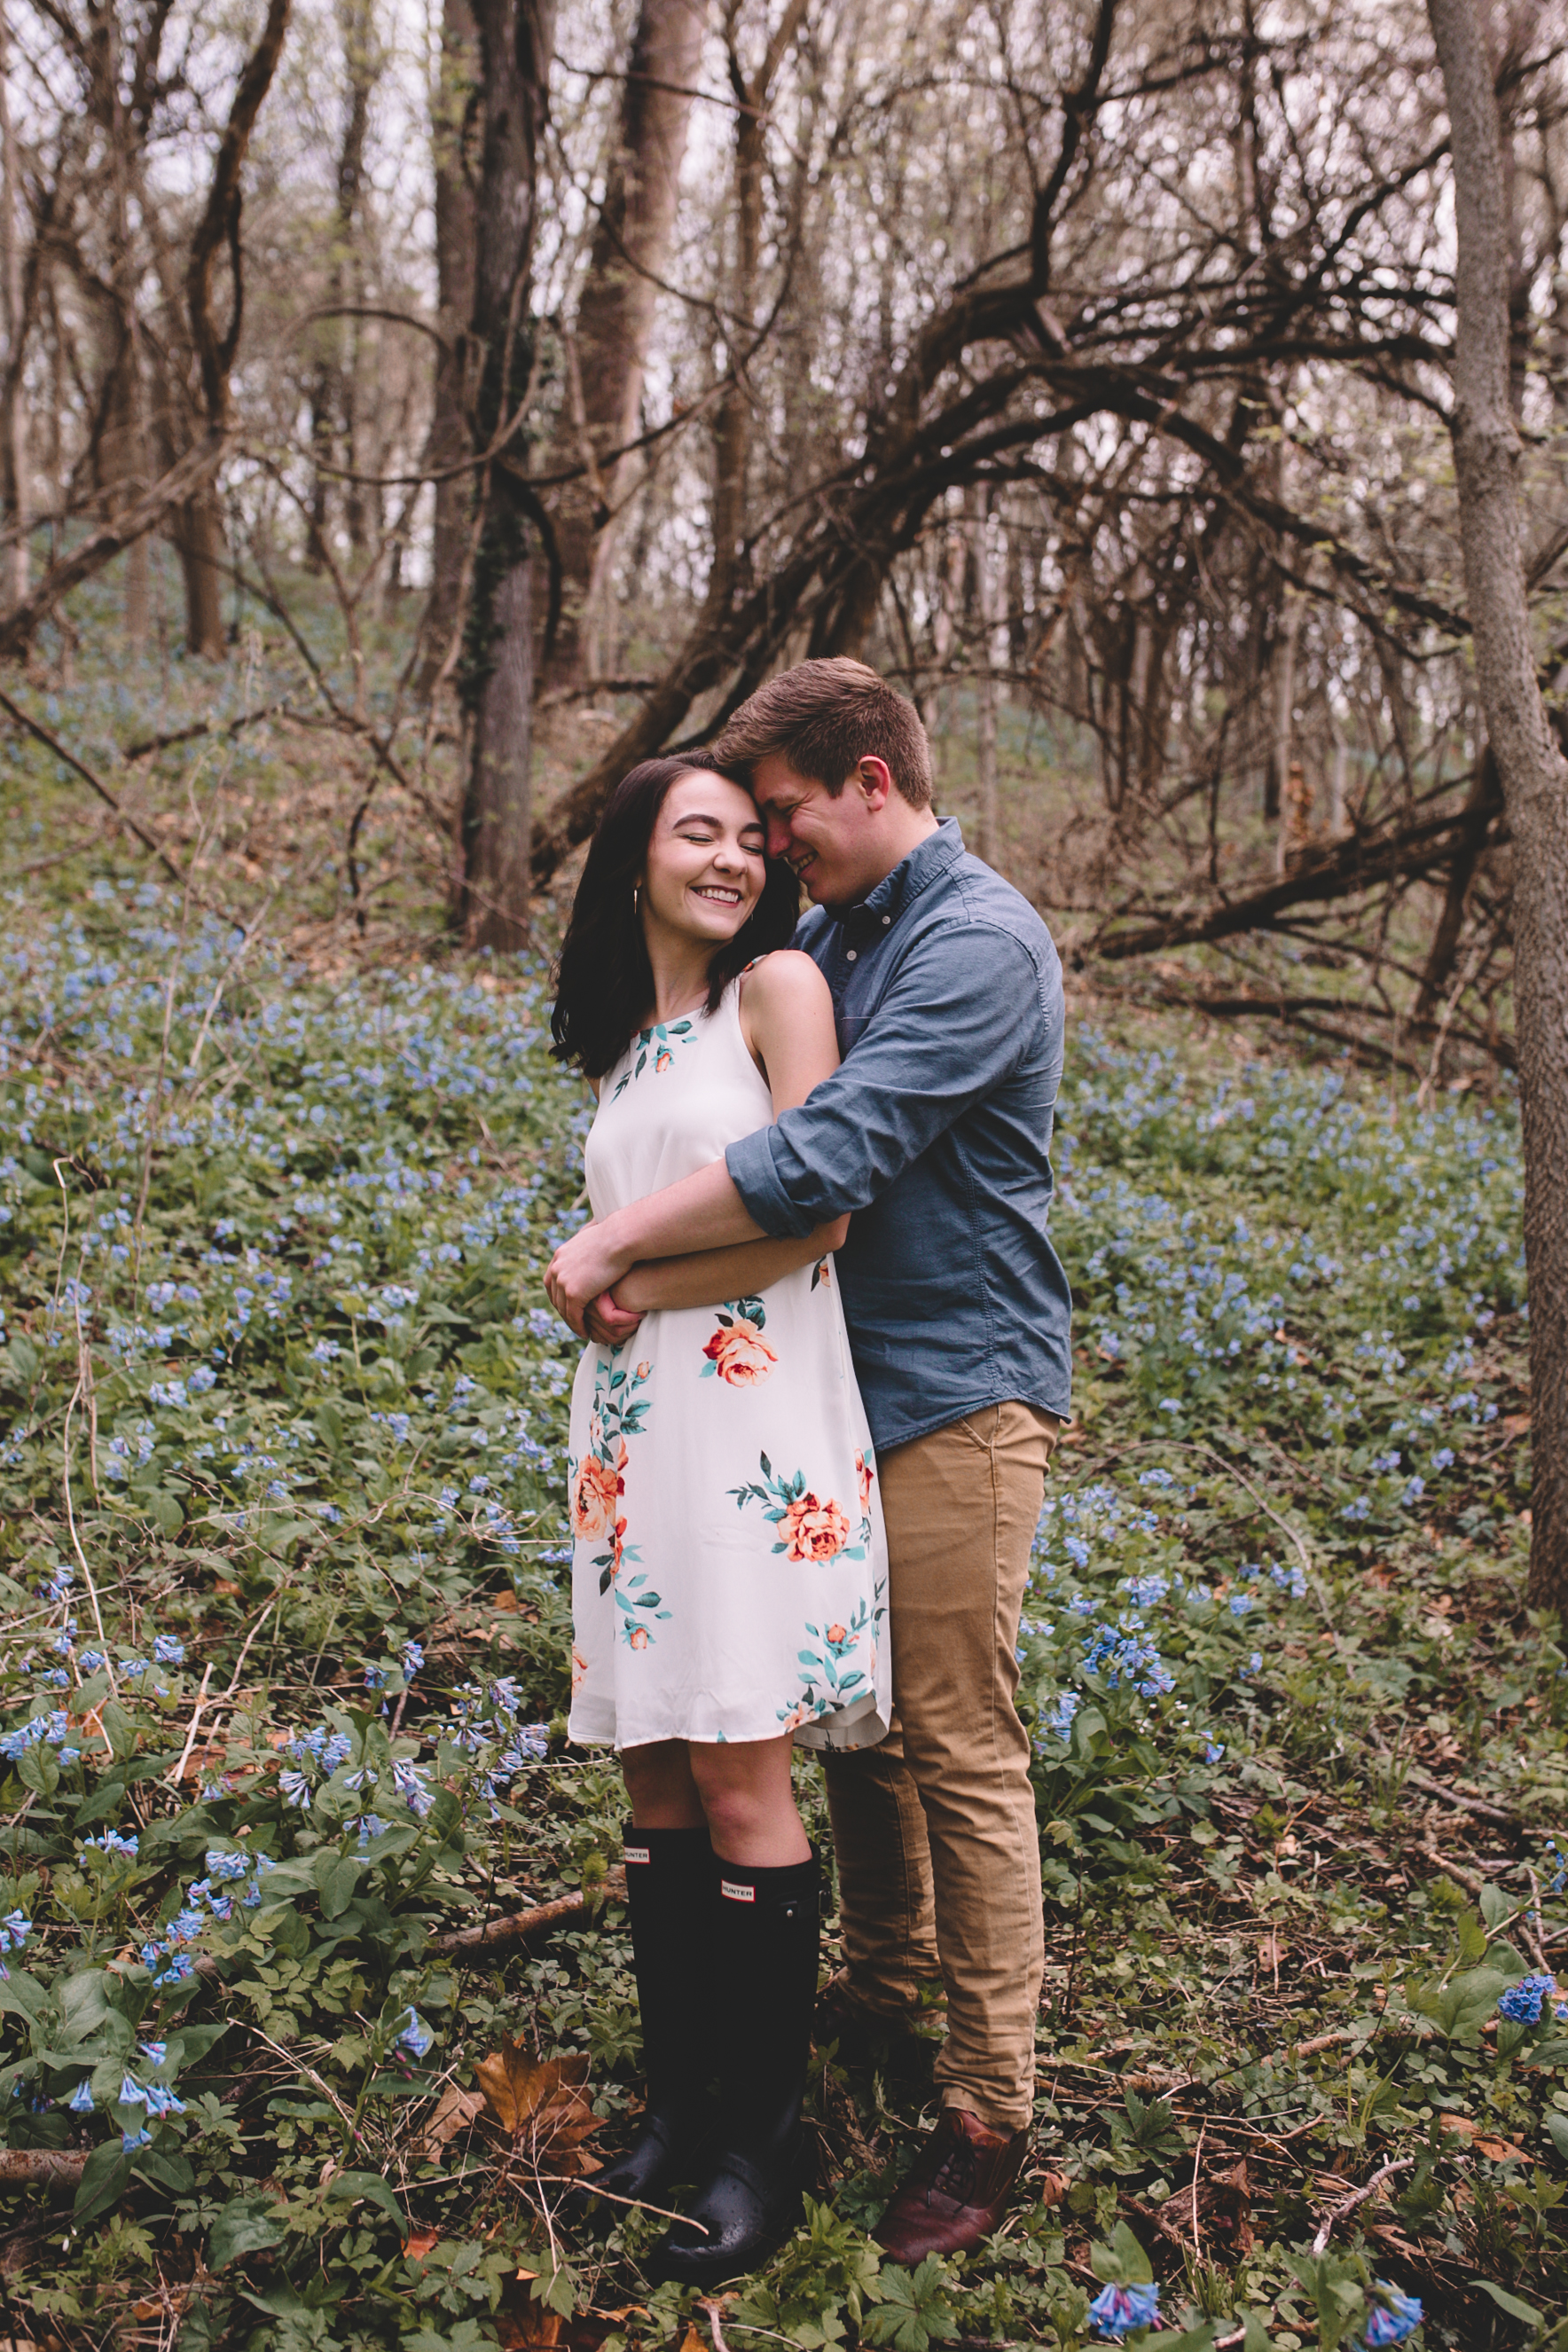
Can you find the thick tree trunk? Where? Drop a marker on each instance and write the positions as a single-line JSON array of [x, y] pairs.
[[456, 236], [203, 561], [1533, 772], [12, 408], [988, 825], [615, 317], [515, 40]]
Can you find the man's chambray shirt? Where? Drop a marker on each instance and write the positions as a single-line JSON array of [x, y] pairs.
[[935, 1133]]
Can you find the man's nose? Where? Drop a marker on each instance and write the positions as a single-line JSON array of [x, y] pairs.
[[779, 836]]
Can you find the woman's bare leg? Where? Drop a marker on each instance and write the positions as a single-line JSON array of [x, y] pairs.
[[745, 1792], [660, 1786]]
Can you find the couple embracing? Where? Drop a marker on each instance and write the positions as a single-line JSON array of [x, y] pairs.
[[828, 1362]]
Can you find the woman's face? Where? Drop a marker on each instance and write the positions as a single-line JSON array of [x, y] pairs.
[[705, 866]]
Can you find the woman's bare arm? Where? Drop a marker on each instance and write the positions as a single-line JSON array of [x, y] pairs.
[[786, 1019], [710, 1277]]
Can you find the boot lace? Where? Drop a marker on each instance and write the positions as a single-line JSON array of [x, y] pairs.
[[957, 2173]]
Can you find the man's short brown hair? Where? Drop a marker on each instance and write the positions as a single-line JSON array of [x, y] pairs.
[[825, 718]]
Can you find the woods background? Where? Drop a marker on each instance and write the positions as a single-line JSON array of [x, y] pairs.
[[453, 409]]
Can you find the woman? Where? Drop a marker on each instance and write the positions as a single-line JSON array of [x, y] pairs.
[[729, 1572]]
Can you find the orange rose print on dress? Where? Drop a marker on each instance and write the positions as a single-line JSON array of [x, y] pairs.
[[814, 1530], [595, 1498], [866, 1475], [739, 1354], [579, 1668], [737, 1350], [804, 1528]]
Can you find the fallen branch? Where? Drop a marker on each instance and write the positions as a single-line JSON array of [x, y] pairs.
[[1338, 2213], [1452, 1797], [518, 1926], [42, 2167], [231, 726], [35, 726]]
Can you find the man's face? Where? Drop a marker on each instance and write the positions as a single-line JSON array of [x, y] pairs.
[[832, 841]]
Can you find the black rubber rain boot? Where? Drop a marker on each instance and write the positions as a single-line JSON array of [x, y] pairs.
[[765, 1955], [670, 1894]]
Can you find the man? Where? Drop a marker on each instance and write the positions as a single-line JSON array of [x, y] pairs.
[[934, 1134]]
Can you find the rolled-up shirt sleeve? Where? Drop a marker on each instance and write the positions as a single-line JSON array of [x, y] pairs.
[[961, 1012]]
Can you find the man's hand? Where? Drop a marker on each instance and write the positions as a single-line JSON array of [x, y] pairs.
[[608, 1324], [581, 1268]]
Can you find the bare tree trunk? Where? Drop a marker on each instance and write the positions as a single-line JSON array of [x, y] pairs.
[[614, 316], [1284, 728], [1532, 767], [12, 408], [456, 236], [515, 41], [986, 600], [203, 561]]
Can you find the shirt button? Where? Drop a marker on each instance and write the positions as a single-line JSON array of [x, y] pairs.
[[849, 955], [886, 920]]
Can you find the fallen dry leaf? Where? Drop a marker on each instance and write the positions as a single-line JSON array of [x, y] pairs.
[[419, 2242], [540, 2101], [457, 2110], [1052, 2188]]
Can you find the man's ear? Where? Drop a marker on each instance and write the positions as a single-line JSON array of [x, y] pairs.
[[875, 779]]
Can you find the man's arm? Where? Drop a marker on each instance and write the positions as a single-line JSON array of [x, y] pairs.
[[702, 1212], [963, 1008]]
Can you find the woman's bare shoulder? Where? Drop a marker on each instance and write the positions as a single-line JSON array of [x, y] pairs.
[[787, 982]]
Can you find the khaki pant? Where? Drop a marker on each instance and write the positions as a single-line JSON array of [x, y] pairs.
[[934, 1829]]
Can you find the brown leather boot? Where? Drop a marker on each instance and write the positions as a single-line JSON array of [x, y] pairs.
[[862, 2035], [956, 2192]]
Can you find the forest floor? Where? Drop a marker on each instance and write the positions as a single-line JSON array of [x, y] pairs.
[[288, 2057]]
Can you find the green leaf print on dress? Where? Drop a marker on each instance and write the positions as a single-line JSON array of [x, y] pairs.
[[663, 1037], [737, 1353], [809, 1529], [597, 1483], [839, 1669]]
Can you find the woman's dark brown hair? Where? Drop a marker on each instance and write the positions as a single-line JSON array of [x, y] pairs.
[[604, 982]]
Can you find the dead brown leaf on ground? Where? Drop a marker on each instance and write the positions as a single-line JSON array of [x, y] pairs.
[[540, 2101]]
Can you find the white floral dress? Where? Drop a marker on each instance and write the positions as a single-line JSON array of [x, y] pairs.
[[729, 1571]]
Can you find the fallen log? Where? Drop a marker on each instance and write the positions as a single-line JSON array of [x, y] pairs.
[[519, 1926], [42, 2167]]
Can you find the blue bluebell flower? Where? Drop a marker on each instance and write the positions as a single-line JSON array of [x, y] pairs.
[[417, 2036], [413, 1786], [1521, 2003], [1117, 2310], [1395, 2318], [81, 2101]]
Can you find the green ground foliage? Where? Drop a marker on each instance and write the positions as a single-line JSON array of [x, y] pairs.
[[282, 1480]]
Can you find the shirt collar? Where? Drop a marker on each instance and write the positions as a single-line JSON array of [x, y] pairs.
[[881, 908]]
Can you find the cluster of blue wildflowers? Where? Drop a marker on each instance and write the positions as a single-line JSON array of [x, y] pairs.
[[1522, 2003], [232, 1879], [1118, 2311]]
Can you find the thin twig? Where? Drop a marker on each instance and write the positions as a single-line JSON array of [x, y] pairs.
[[1338, 2213]]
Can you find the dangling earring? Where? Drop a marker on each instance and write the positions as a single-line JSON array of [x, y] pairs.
[[634, 897]]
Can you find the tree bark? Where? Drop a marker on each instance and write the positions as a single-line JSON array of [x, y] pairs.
[[13, 407], [1532, 769], [988, 826], [614, 316], [203, 561], [456, 236], [515, 41]]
